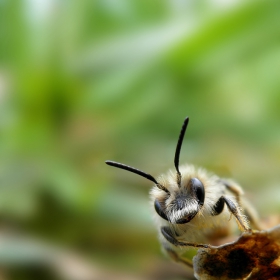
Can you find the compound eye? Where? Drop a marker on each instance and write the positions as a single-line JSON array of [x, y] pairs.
[[198, 189], [159, 210]]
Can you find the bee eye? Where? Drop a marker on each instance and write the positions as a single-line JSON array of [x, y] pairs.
[[159, 210], [198, 189]]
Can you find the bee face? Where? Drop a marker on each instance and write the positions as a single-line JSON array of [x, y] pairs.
[[180, 204]]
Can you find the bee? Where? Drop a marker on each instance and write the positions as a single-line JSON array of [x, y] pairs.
[[193, 207]]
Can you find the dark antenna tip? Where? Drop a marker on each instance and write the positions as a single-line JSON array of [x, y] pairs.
[[136, 171], [131, 169], [179, 145]]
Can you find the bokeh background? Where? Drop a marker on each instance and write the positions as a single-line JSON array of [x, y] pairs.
[[85, 81]]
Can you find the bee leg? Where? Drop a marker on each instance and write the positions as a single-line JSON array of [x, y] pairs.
[[235, 189], [249, 210], [241, 220], [252, 214], [172, 253], [169, 236], [175, 257]]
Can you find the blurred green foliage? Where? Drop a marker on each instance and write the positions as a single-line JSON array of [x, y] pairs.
[[85, 81]]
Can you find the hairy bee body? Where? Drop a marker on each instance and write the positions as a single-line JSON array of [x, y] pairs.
[[193, 208], [205, 226]]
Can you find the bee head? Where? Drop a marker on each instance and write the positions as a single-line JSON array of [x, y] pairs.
[[180, 206]]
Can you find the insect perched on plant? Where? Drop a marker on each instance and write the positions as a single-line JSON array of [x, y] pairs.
[[193, 206]]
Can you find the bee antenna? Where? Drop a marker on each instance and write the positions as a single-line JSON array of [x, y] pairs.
[[178, 148], [136, 171]]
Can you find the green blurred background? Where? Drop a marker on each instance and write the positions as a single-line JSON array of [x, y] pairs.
[[85, 81]]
